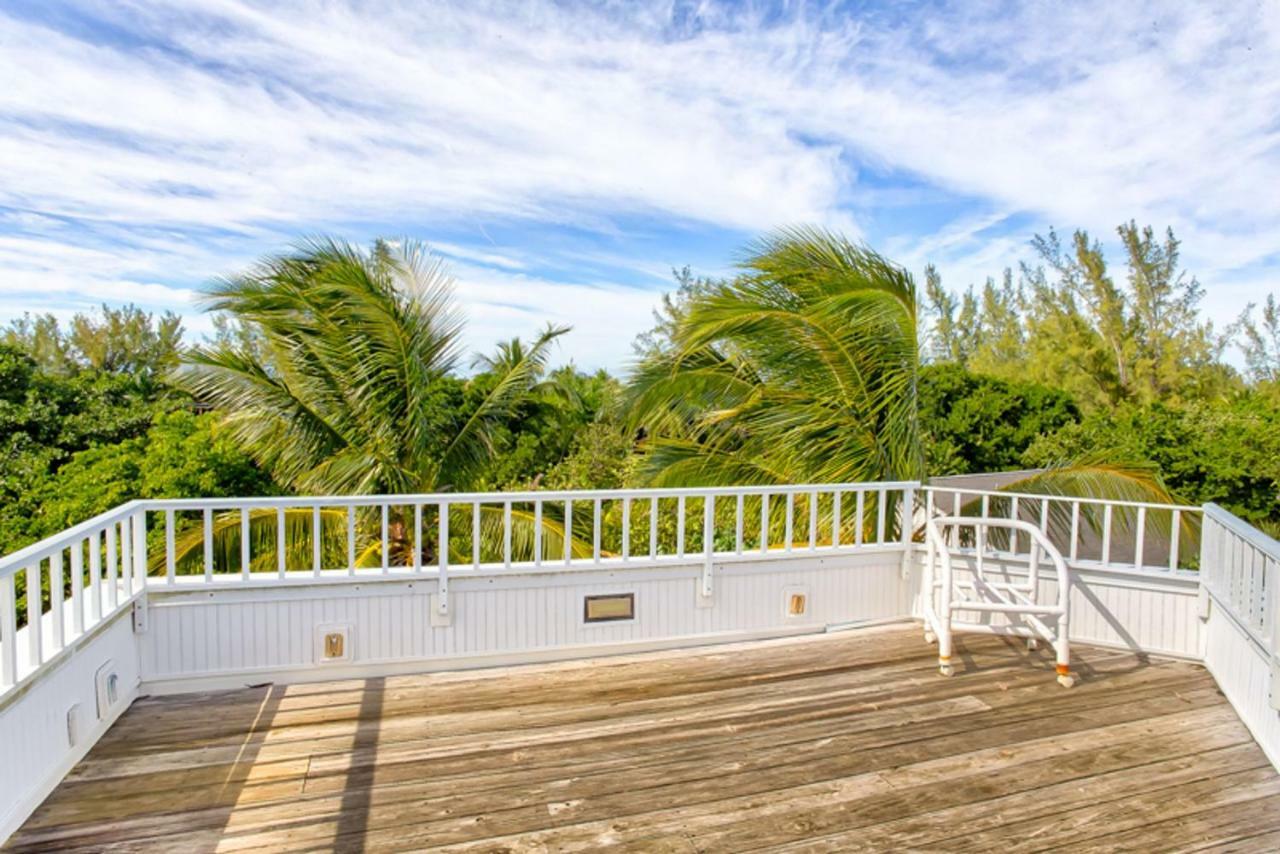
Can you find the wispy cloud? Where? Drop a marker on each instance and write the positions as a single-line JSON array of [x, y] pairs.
[[150, 145]]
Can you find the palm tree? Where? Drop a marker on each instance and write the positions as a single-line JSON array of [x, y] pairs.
[[345, 386], [803, 369]]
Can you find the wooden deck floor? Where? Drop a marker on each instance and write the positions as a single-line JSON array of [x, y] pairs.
[[842, 742]]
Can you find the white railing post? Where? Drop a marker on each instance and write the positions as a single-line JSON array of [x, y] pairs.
[[442, 582], [708, 541], [140, 547]]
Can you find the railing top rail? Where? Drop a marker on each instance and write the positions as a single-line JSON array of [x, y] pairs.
[[515, 497], [1243, 529], [41, 550], [1149, 505]]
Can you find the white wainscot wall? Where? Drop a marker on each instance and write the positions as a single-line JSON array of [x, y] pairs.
[[36, 751], [1140, 611], [223, 637], [1242, 668]]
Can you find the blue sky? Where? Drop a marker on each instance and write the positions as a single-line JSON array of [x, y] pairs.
[[564, 157]]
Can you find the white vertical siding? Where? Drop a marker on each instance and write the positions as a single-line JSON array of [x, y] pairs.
[[1242, 669], [1241, 566], [34, 751], [270, 631]]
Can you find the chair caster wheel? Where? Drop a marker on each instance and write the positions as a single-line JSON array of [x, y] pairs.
[[1033, 644], [1066, 681], [946, 669], [930, 637]]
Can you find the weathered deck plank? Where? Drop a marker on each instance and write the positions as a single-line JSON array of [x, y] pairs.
[[842, 742]]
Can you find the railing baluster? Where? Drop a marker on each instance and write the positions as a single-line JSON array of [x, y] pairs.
[[126, 556], [1075, 530], [417, 537], [568, 531], [8, 631], [351, 540], [56, 603], [680, 508], [506, 534], [1174, 531], [113, 570], [738, 523], [35, 628], [537, 532], [653, 527], [170, 569], [1106, 534], [77, 588], [95, 576], [385, 513], [882, 510], [282, 564], [859, 506], [475, 535], [595, 532], [626, 529], [1013, 535], [789, 522], [835, 518], [245, 547], [316, 559], [1138, 561]]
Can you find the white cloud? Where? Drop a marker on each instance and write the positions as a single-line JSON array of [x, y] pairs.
[[258, 121]]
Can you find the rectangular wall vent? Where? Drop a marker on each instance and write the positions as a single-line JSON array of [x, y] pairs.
[[607, 609], [333, 643]]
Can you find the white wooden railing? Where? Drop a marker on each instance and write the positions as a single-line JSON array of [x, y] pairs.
[[1240, 589], [91, 572], [72, 583], [111, 559], [1141, 536], [1242, 572]]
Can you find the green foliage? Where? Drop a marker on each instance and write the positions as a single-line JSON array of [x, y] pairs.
[[181, 456], [975, 423], [801, 369], [1227, 451], [46, 418], [126, 341], [1069, 324], [349, 388], [1260, 341]]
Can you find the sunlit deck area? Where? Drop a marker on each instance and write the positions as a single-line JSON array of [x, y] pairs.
[[834, 742]]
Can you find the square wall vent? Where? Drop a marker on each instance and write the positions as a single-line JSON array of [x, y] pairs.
[[795, 603], [333, 643]]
